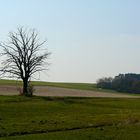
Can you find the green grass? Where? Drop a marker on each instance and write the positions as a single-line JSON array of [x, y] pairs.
[[51, 118], [86, 86], [9, 82], [82, 86]]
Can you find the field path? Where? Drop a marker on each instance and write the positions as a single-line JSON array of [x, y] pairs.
[[63, 92]]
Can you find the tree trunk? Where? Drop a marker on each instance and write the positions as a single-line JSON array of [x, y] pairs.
[[25, 87]]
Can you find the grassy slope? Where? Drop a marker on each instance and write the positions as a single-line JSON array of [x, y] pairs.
[[81, 86], [50, 118], [54, 84]]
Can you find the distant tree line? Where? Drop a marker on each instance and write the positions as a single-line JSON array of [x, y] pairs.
[[122, 83]]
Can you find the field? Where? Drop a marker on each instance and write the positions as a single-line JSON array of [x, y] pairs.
[[81, 86], [53, 118], [8, 87], [68, 118]]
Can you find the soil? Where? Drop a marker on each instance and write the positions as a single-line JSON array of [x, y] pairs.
[[62, 92]]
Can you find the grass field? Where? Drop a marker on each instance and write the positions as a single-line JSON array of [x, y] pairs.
[[85, 86], [51, 118], [81, 86]]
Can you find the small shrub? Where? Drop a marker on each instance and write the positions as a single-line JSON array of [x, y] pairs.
[[31, 90]]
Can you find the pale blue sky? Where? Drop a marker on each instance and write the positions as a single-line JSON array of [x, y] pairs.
[[88, 39]]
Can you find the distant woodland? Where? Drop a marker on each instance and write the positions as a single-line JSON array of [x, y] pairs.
[[122, 83]]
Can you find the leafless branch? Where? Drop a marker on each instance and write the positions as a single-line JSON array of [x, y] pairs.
[[23, 55]]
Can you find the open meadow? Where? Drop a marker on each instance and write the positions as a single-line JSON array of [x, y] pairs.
[[67, 118], [51, 118]]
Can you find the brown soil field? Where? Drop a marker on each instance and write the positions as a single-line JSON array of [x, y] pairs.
[[63, 92]]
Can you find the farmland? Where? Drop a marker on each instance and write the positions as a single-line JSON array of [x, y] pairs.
[[68, 118]]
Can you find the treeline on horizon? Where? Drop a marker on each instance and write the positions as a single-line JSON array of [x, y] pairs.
[[129, 82]]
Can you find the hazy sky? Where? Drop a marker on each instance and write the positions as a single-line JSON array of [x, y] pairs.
[[88, 39]]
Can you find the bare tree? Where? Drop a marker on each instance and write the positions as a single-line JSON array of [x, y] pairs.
[[24, 55]]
